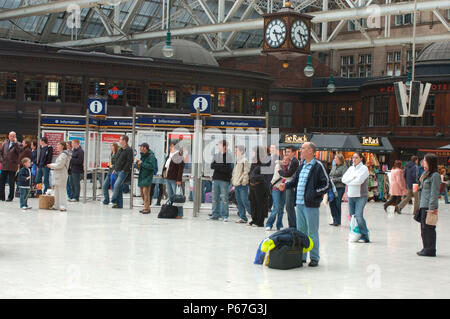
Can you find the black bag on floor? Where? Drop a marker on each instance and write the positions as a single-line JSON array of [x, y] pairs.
[[286, 257], [168, 211]]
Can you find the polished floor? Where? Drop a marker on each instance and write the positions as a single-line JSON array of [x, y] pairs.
[[93, 251]]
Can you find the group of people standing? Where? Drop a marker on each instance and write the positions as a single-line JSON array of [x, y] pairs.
[[265, 183], [27, 165]]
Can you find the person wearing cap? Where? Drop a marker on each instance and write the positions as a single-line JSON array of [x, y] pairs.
[[146, 166]]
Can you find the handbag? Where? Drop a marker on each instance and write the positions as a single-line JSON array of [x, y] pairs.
[[168, 211], [431, 219], [179, 197]]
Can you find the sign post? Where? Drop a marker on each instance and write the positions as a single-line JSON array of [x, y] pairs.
[[201, 105]]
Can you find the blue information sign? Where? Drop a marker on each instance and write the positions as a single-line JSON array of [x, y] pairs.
[[97, 107], [201, 102], [235, 123], [161, 121]]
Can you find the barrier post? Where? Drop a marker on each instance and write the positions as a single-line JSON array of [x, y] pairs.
[[133, 142], [197, 158], [86, 158]]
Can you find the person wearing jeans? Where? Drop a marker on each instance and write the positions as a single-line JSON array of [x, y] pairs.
[[312, 182], [291, 193], [173, 172], [240, 180], [123, 169], [45, 158], [9, 158], [278, 196], [222, 165], [336, 174], [357, 180], [107, 182]]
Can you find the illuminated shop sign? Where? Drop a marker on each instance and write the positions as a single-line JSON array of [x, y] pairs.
[[297, 139], [370, 141]]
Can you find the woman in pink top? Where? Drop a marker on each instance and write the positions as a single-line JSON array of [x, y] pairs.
[[397, 186]]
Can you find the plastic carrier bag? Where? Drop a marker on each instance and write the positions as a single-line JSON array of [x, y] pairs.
[[355, 233]]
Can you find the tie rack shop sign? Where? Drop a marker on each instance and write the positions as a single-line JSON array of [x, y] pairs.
[[370, 141], [294, 139]]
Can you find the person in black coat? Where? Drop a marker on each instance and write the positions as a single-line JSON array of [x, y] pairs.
[[45, 158], [259, 190], [123, 168], [76, 169]]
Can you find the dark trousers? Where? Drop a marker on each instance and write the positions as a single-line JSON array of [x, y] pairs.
[[336, 204], [393, 200], [75, 183], [160, 193], [428, 234], [290, 207], [11, 177], [259, 203], [69, 187]]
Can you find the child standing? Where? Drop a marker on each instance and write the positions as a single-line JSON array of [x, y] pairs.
[[24, 182]]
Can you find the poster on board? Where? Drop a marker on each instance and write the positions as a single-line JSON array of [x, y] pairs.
[[156, 142], [105, 151], [185, 141], [54, 137]]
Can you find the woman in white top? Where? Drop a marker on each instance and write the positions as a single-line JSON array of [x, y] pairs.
[[60, 167], [357, 178]]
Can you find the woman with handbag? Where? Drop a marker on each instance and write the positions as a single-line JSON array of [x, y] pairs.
[[397, 187], [61, 167], [259, 191], [444, 184], [336, 174], [430, 183], [173, 174]]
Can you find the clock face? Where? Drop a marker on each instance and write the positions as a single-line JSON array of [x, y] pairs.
[[299, 34], [275, 33]]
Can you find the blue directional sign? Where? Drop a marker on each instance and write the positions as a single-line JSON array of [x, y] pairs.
[[201, 102], [161, 121], [223, 123], [97, 107]]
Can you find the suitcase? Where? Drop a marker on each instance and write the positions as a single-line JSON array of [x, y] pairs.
[[286, 257], [168, 211], [46, 201]]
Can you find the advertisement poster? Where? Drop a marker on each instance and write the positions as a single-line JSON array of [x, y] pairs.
[[156, 142], [105, 151], [185, 141], [54, 137]]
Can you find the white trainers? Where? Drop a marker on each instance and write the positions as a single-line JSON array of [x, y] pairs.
[[29, 207], [240, 221], [268, 229], [225, 220], [24, 207]]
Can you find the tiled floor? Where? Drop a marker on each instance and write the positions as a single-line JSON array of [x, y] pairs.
[[93, 251]]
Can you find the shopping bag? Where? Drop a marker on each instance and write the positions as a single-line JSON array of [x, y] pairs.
[[355, 233], [431, 218], [112, 180], [168, 211], [179, 197]]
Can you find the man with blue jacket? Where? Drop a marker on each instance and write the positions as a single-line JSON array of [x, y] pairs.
[[311, 181]]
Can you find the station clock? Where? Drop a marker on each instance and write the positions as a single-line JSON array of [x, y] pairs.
[[287, 31]]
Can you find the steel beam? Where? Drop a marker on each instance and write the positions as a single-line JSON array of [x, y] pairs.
[[51, 7], [233, 10], [208, 11], [257, 24], [342, 45]]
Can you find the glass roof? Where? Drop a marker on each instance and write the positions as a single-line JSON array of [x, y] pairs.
[[145, 16]]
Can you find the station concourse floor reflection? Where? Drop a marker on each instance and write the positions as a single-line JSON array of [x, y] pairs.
[[94, 251]]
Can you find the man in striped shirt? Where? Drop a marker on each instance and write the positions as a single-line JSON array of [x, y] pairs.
[[312, 182]]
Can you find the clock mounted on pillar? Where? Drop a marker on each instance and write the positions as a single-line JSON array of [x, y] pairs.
[[287, 33]]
